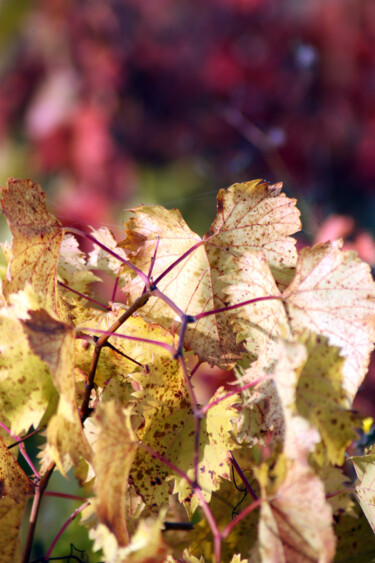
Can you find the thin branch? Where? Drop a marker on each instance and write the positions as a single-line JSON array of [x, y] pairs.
[[63, 495], [83, 295], [28, 460], [180, 259], [34, 511], [225, 533], [152, 264], [110, 334], [114, 290], [236, 391], [242, 476], [217, 536], [139, 272], [192, 372], [236, 306], [84, 411], [25, 437], [109, 345], [179, 312], [64, 526]]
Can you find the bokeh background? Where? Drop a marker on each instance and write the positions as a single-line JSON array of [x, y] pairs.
[[111, 103]]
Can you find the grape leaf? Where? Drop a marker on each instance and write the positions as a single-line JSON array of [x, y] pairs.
[[114, 455], [99, 259], [72, 266], [321, 399], [169, 428], [14, 482], [289, 529], [27, 391], [36, 243], [355, 538], [147, 544], [246, 213], [256, 215], [11, 515], [333, 294], [365, 486]]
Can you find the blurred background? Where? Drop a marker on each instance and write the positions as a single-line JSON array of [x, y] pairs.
[[111, 103]]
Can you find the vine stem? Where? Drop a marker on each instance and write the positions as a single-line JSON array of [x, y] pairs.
[[227, 530], [237, 306], [211, 404], [242, 476], [84, 410], [94, 301], [139, 272], [64, 526], [35, 509]]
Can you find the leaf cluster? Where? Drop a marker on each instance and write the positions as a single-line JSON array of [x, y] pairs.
[[258, 472]]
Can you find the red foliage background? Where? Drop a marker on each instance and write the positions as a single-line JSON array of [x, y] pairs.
[[94, 93]]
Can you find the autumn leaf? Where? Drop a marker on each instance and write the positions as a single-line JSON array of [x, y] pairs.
[[114, 455], [333, 294], [147, 543], [14, 482], [169, 428], [27, 391], [296, 524], [11, 515], [365, 486], [73, 268], [246, 213], [257, 324], [101, 260], [37, 237], [355, 538], [322, 399]]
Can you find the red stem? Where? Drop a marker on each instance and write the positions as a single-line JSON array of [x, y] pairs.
[[82, 295], [170, 349], [139, 272], [64, 526], [237, 306], [180, 259], [63, 495], [225, 533]]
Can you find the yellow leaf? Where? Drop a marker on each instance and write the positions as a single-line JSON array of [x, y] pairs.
[[169, 428], [251, 216], [72, 267], [14, 482], [365, 489], [147, 544], [259, 323], [36, 243], [26, 386], [322, 399], [11, 515], [114, 454], [333, 294]]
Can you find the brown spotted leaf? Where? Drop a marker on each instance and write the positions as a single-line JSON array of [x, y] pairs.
[[297, 524], [27, 391], [53, 342], [333, 294], [14, 482], [365, 486], [11, 516], [251, 216], [169, 428], [37, 237]]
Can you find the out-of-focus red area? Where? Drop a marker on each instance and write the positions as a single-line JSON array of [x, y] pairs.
[[99, 98]]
